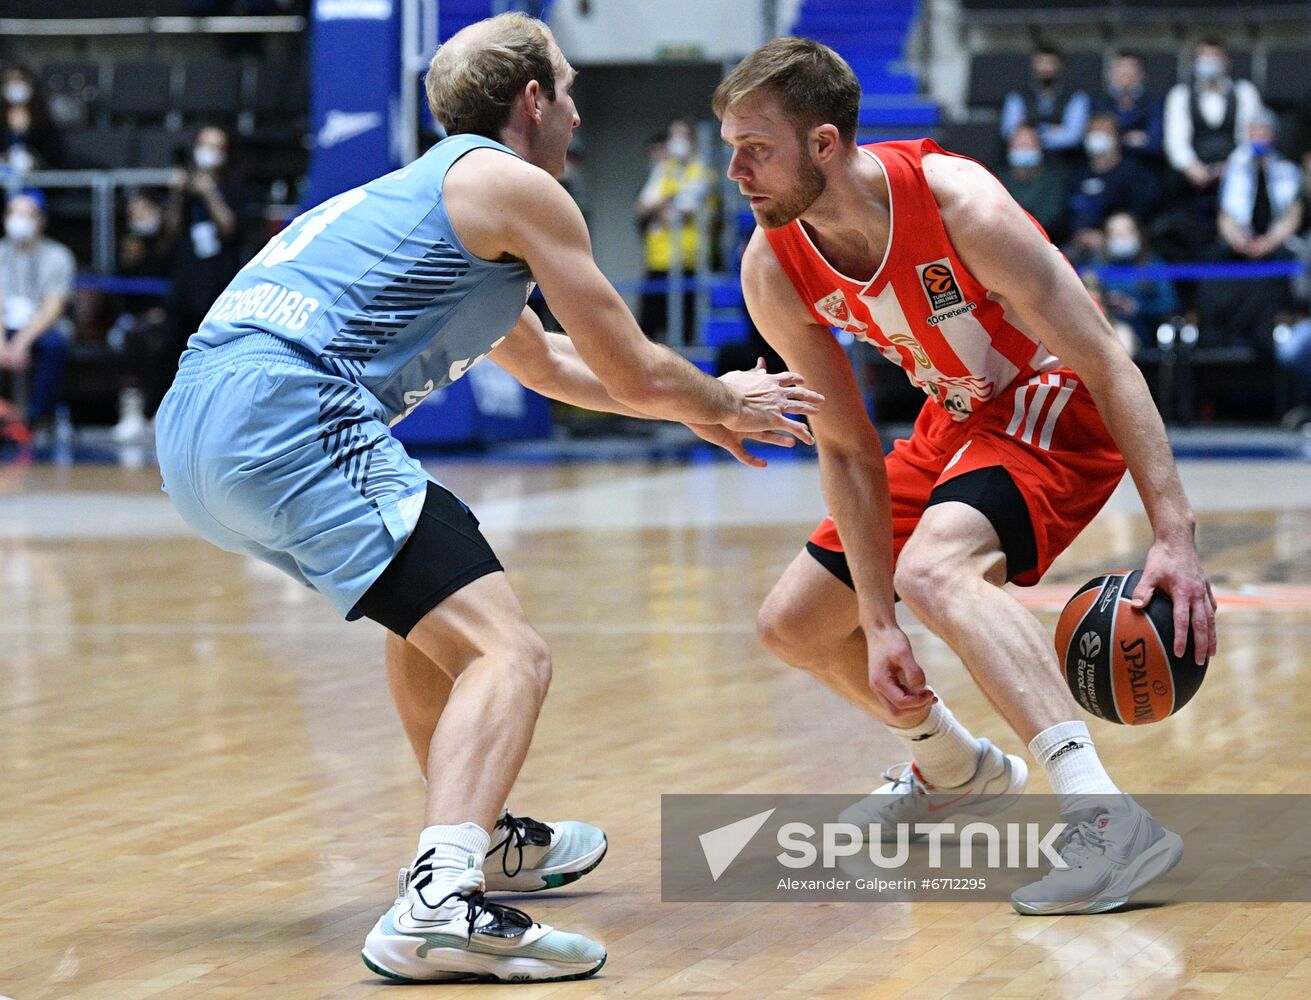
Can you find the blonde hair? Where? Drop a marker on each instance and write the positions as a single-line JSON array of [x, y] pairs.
[[472, 85], [814, 84]]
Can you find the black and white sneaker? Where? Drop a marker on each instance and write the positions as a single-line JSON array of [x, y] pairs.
[[461, 937], [527, 855]]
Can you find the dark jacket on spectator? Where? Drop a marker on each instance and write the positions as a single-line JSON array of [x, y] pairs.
[[1129, 186]]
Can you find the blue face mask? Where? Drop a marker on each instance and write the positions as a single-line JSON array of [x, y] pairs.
[[1024, 158], [1260, 147]]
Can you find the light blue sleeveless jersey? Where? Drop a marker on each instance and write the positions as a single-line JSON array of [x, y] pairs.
[[375, 284]]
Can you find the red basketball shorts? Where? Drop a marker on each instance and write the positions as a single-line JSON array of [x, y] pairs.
[[1048, 436]]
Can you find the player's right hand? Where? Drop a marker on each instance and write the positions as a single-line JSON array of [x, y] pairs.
[[763, 399], [895, 679]]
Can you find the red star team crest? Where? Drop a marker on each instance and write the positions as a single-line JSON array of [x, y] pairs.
[[834, 307]]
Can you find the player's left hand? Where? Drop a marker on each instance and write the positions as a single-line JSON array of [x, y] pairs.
[[1175, 567], [734, 442]]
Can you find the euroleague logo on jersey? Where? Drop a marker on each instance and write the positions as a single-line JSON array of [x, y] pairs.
[[940, 285]]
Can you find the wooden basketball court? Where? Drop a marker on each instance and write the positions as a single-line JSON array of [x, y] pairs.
[[204, 792]]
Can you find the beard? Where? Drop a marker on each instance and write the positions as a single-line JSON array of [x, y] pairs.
[[788, 206]]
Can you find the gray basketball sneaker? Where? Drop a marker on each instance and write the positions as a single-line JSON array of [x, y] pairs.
[[908, 799], [1111, 850]]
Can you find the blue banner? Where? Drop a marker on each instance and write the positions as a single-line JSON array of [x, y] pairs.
[[355, 73]]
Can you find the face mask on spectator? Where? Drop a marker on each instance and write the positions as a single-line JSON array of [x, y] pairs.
[[208, 157], [1098, 143], [679, 147], [1123, 247], [18, 92], [145, 226], [20, 227], [1208, 68], [1260, 146], [1024, 158]]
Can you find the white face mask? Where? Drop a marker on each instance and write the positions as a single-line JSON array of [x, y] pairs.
[[1123, 247], [1209, 68], [1023, 159], [208, 158], [1098, 143], [147, 226], [679, 147], [20, 227], [18, 92]]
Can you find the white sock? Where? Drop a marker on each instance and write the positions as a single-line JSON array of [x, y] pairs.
[[944, 751], [1067, 753], [455, 849]]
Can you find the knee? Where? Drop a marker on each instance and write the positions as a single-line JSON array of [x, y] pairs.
[[925, 579], [530, 657], [782, 632]]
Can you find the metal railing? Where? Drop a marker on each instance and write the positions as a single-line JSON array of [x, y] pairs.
[[104, 186]]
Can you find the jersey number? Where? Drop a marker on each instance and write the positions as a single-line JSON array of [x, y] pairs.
[[288, 244]]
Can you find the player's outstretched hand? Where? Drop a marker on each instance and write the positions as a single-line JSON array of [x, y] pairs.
[[763, 399], [1174, 566], [734, 442], [895, 678]]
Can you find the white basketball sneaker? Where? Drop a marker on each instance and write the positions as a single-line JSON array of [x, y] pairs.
[[908, 799], [1111, 850], [461, 937], [527, 856]]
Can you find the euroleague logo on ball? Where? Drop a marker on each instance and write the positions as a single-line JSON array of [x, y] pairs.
[[1090, 644]]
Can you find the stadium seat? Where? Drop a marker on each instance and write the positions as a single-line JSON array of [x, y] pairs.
[[100, 148], [978, 140], [1287, 84], [211, 88], [1162, 70], [1085, 70], [142, 90], [995, 74], [163, 147]]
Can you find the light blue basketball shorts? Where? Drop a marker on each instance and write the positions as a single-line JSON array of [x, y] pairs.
[[266, 453]]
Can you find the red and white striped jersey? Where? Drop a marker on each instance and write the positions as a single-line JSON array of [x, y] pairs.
[[923, 310]]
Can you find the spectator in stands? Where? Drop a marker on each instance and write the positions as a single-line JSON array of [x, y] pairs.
[[1207, 118], [1109, 182], [667, 207], [1034, 182], [36, 285], [30, 139], [1142, 304], [1059, 114], [202, 222], [1092, 283], [1138, 115], [1260, 213], [140, 334]]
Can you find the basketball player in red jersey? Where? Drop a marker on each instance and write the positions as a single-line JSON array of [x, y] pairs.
[[1031, 403]]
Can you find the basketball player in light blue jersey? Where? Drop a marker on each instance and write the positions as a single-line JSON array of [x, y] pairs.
[[274, 442]]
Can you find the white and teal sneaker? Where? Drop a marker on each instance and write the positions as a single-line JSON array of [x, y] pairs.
[[908, 799], [462, 937], [527, 856], [1111, 850]]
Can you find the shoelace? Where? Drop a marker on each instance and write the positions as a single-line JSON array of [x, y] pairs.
[[1080, 842], [520, 830], [907, 777], [469, 891]]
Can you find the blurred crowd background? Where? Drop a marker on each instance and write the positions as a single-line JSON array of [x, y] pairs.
[[1164, 145]]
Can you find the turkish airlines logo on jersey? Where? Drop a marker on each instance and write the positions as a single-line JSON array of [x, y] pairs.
[[834, 307], [940, 285]]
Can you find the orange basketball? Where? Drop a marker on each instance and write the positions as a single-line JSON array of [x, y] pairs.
[[1119, 661]]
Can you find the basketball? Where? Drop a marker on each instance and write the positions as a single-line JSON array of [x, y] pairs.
[[1118, 660]]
